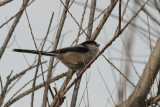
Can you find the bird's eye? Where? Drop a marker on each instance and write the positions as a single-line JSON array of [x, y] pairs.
[[92, 43]]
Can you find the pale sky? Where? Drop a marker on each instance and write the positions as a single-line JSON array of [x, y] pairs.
[[39, 15]]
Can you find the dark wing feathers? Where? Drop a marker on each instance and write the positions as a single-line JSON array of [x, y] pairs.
[[78, 49], [71, 49]]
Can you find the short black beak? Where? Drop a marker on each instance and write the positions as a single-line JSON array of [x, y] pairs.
[[98, 44]]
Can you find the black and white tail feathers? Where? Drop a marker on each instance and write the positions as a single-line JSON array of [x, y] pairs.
[[35, 52]]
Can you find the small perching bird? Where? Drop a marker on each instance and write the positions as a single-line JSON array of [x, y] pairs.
[[75, 57]]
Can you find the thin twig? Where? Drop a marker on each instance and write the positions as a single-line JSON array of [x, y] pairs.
[[102, 50], [36, 88], [119, 15], [80, 26], [85, 88], [29, 83], [106, 86], [24, 71], [1, 83], [12, 28], [57, 101], [8, 82], [75, 92], [44, 41], [91, 18], [5, 2], [73, 18], [20, 12], [63, 17], [39, 60], [14, 38], [34, 81], [146, 81], [77, 84], [50, 23], [118, 71], [104, 19]]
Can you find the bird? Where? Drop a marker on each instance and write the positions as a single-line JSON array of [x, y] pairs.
[[74, 57]]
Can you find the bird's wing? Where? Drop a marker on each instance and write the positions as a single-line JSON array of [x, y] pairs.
[[78, 49]]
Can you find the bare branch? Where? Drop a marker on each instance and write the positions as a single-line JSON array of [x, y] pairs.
[[104, 19], [91, 18], [50, 23], [102, 50], [77, 84], [75, 92], [58, 99], [1, 84], [5, 2], [63, 17], [145, 83], [36, 88], [12, 28], [118, 70], [2, 96], [81, 23]]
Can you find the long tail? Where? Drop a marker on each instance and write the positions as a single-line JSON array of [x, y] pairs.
[[35, 52]]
